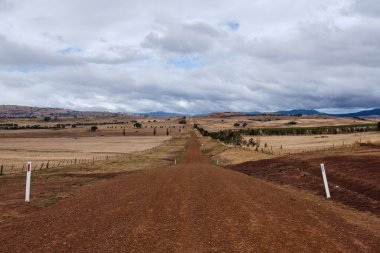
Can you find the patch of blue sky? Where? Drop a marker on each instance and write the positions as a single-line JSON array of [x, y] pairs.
[[233, 26], [186, 62], [69, 50]]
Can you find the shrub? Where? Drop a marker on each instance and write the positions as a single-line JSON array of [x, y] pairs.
[[182, 121], [236, 125], [137, 125], [291, 123], [94, 128], [251, 142], [378, 126]]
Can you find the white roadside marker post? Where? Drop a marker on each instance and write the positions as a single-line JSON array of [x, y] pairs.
[[325, 181], [175, 161], [28, 176], [217, 162]]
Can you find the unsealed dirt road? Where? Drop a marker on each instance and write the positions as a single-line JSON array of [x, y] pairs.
[[190, 207]]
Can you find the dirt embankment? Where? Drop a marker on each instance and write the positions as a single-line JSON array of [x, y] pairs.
[[190, 207], [354, 178]]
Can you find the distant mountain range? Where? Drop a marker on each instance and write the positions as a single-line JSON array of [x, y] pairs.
[[301, 111], [161, 114], [17, 111], [366, 113], [27, 111]]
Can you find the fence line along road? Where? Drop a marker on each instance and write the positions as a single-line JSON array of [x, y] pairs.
[[17, 169]]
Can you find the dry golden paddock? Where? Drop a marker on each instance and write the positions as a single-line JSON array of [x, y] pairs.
[[191, 193]]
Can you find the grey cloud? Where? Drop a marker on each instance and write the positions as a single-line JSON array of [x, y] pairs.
[[186, 38], [305, 58], [322, 44], [14, 54], [114, 54], [367, 7], [54, 37], [5, 5]]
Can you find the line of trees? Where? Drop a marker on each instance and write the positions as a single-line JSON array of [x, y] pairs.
[[345, 129], [12, 126], [235, 137], [226, 136]]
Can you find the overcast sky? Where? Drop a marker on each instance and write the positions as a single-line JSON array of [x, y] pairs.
[[191, 56]]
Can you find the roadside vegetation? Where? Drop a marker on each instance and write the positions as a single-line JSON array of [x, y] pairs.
[[235, 137]]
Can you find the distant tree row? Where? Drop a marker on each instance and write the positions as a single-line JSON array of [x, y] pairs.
[[226, 136], [182, 121], [16, 127], [344, 129], [235, 137], [12, 126]]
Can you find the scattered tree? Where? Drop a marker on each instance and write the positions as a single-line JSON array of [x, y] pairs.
[[94, 128], [182, 121], [46, 119], [137, 125], [251, 142]]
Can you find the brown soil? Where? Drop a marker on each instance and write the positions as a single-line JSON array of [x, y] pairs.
[[354, 179], [191, 207]]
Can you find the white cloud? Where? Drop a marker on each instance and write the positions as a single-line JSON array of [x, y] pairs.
[[190, 56]]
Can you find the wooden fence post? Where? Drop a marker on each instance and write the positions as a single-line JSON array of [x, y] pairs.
[[1, 170]]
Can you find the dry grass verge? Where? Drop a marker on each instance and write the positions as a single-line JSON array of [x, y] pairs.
[[49, 186]]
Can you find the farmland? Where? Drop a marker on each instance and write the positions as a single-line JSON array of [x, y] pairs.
[[297, 144], [225, 121], [49, 146], [16, 151], [164, 181]]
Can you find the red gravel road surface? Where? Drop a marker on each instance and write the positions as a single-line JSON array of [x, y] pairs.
[[190, 207]]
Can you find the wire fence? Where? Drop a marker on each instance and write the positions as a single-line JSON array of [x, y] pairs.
[[44, 165], [6, 169]]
